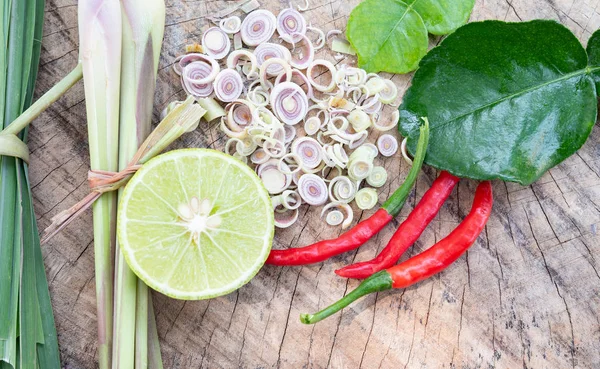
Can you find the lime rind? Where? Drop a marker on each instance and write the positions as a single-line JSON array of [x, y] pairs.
[[160, 212]]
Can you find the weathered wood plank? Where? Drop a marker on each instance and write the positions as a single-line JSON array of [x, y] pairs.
[[526, 295]]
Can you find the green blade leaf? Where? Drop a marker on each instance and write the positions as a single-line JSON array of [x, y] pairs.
[[499, 108], [593, 51], [391, 35], [443, 17], [388, 35]]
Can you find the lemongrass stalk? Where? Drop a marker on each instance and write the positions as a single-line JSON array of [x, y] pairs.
[[154, 355], [100, 37], [45, 101], [143, 27]]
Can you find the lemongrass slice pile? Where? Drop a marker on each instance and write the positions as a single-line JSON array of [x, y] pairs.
[[301, 122]]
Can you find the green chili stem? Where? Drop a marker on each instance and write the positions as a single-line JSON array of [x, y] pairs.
[[395, 203], [380, 281], [45, 101]]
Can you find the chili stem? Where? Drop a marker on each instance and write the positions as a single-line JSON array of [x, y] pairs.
[[394, 204], [377, 282]]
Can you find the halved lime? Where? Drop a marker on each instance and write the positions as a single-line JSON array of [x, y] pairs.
[[195, 223]]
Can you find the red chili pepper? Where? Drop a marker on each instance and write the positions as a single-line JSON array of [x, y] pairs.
[[408, 232], [364, 230], [427, 263]]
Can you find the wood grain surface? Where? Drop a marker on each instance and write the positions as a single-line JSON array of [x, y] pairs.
[[527, 294]]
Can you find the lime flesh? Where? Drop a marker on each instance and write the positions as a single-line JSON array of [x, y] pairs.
[[195, 224]]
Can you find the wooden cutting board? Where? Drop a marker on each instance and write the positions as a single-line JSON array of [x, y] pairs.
[[527, 295]]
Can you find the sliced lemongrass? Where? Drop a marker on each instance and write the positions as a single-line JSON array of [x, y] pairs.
[[259, 156], [291, 23], [302, 77], [284, 167], [341, 206], [240, 157], [334, 218], [231, 24], [285, 218], [239, 112], [289, 199], [359, 168], [215, 43], [390, 124], [333, 33], [304, 7], [369, 104], [246, 146], [339, 45], [234, 58], [249, 6], [366, 198], [355, 76], [228, 85], [309, 150], [305, 52], [258, 27], [312, 125], [312, 189], [404, 152], [334, 128], [330, 68], [231, 133], [237, 41], [387, 145], [194, 71], [258, 96], [378, 177], [368, 149], [230, 146], [341, 189], [200, 72], [269, 50], [389, 93], [289, 102], [375, 85], [358, 139], [275, 181], [326, 157], [275, 149], [356, 92], [359, 120], [267, 64], [212, 107], [290, 133], [264, 117], [321, 40], [329, 174]]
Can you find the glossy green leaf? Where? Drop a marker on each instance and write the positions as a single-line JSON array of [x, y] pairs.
[[443, 17], [593, 51], [504, 100], [391, 35]]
